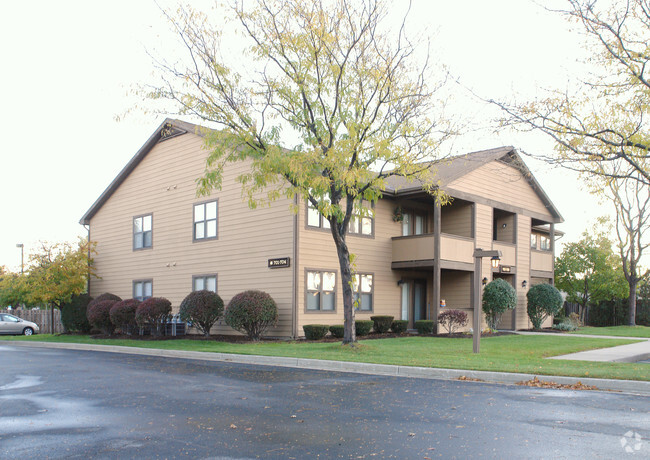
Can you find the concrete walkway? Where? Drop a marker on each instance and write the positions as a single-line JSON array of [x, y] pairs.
[[631, 353], [624, 386]]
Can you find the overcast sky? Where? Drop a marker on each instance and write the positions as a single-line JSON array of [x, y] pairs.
[[67, 68]]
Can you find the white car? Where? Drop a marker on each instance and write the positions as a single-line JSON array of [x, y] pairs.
[[10, 324]]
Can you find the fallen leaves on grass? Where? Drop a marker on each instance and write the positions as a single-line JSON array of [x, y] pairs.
[[536, 383]]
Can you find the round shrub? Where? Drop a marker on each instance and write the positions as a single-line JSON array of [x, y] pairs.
[[99, 315], [252, 313], [399, 326], [362, 327], [153, 312], [381, 324], [338, 331], [425, 326], [123, 315], [452, 320], [498, 297], [203, 308], [74, 314], [104, 296], [544, 300], [315, 331]]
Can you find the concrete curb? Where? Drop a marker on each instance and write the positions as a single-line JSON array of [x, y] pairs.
[[624, 386]]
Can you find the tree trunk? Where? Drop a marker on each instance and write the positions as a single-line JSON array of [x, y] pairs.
[[631, 303], [349, 331]]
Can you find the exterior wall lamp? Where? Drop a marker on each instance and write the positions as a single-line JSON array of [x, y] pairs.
[[484, 281], [495, 258], [523, 284]]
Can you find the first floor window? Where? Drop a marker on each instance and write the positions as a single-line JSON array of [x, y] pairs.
[[142, 232], [142, 289], [362, 291], [205, 220], [205, 282], [321, 291]]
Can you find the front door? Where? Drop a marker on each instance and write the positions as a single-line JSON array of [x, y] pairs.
[[414, 301]]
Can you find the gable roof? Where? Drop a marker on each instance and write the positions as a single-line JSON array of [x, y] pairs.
[[447, 170], [167, 129], [450, 169]]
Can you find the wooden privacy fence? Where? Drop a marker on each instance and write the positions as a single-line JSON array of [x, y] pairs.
[[41, 317]]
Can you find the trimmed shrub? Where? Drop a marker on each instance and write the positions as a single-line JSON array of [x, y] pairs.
[[315, 331], [452, 320], [105, 296], [252, 313], [381, 324], [399, 326], [565, 325], [99, 316], [203, 308], [425, 326], [153, 312], [362, 327], [74, 314], [498, 297], [122, 315], [544, 300], [337, 331]]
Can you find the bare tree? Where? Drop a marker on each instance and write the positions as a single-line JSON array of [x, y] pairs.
[[604, 120]]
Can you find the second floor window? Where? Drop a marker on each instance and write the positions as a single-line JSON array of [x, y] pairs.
[[315, 218], [143, 232], [360, 225], [533, 241], [413, 223], [142, 289], [544, 243], [205, 282], [205, 220]]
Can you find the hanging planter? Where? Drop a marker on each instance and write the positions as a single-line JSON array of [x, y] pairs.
[[398, 216]]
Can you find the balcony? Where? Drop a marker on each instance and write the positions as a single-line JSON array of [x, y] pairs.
[[418, 251], [413, 251], [541, 261]]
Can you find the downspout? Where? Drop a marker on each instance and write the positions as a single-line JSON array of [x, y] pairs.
[[294, 280], [88, 272]]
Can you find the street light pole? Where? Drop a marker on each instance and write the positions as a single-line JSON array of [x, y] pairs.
[[478, 257], [22, 259]]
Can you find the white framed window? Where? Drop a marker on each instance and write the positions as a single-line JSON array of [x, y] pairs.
[[143, 232], [362, 291], [321, 291], [205, 220], [204, 282], [142, 289], [533, 241]]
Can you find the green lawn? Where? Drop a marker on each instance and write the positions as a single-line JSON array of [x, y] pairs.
[[616, 331], [510, 353]]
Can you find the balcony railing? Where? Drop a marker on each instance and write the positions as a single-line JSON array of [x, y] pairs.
[[541, 260], [419, 250]]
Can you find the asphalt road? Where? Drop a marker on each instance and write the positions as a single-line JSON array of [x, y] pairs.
[[79, 404]]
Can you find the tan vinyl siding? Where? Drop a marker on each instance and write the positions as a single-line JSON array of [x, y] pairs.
[[502, 183], [456, 219], [507, 234], [484, 241], [163, 184], [456, 289], [373, 255], [523, 270]]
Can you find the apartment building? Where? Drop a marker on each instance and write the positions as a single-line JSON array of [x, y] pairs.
[[155, 237]]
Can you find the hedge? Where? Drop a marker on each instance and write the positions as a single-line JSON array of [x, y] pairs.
[[315, 331]]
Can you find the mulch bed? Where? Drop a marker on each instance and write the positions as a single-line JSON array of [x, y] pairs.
[[244, 339]]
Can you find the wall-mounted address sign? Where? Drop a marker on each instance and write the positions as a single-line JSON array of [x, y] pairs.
[[280, 262]]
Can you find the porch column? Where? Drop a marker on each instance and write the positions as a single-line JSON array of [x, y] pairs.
[[436, 263], [552, 238]]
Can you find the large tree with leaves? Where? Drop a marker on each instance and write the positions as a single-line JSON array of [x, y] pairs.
[[325, 105], [602, 120], [589, 271]]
